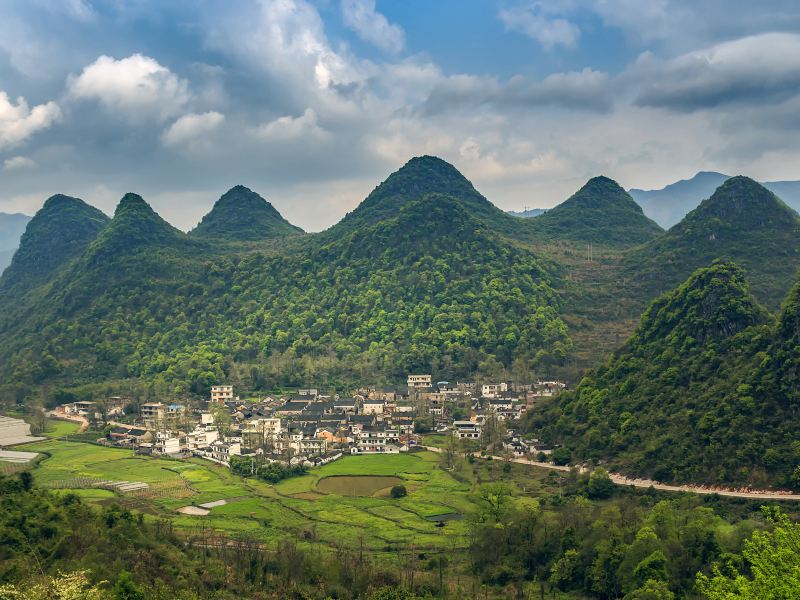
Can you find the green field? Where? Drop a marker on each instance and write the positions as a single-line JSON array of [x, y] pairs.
[[57, 429], [298, 506], [357, 485]]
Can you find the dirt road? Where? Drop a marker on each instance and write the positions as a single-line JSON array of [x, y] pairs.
[[647, 483]]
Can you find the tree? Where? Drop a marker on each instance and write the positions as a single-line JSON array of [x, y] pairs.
[[64, 586], [399, 491], [651, 590], [222, 418], [774, 563], [600, 484], [561, 456], [126, 588], [493, 502], [423, 424]]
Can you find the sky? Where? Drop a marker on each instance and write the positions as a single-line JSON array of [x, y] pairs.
[[312, 103]]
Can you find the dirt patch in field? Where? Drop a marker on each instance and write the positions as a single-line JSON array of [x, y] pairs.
[[194, 510], [356, 485]]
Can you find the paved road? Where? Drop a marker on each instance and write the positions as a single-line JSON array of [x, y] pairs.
[[646, 483]]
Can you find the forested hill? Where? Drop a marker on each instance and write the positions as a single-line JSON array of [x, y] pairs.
[[704, 391], [742, 221], [58, 233], [426, 285], [242, 215], [601, 212], [420, 176], [424, 274]]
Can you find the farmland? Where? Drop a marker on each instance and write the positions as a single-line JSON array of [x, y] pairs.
[[321, 507]]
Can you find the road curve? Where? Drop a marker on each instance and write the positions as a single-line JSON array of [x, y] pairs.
[[646, 483]]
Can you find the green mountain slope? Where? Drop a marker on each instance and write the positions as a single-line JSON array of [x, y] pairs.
[[601, 212], [59, 232], [742, 221], [420, 176], [688, 397], [427, 285], [135, 227], [242, 215]]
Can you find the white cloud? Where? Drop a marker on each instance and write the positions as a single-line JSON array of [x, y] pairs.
[[536, 21], [19, 122], [286, 39], [18, 162], [291, 128], [584, 90], [649, 19], [756, 69], [192, 126], [136, 87], [372, 26]]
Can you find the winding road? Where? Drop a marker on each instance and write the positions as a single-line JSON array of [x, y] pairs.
[[647, 483]]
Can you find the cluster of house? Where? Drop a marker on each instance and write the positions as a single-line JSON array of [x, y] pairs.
[[310, 427]]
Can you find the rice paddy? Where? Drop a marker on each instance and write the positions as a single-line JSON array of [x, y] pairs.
[[344, 503], [361, 485]]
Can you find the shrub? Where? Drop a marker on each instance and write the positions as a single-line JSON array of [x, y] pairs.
[[399, 491]]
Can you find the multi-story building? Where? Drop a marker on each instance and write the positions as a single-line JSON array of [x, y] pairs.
[[153, 413], [493, 390], [167, 444], [419, 381], [470, 430], [221, 393]]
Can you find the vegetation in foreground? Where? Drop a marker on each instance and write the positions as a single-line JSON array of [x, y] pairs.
[[510, 531]]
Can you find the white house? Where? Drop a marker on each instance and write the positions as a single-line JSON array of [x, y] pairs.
[[419, 381], [493, 390], [373, 407], [467, 430]]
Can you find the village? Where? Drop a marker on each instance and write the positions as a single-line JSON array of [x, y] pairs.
[[311, 428]]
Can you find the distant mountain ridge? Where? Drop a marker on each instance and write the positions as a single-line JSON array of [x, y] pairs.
[[12, 226], [527, 214], [668, 205], [741, 221]]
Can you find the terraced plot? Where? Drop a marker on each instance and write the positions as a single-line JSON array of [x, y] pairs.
[[315, 508], [359, 485]]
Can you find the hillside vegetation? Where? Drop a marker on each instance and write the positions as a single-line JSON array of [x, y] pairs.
[[742, 221], [426, 285], [601, 212], [704, 390]]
